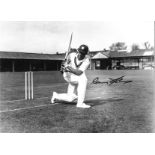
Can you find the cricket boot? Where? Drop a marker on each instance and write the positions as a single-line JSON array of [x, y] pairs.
[[53, 99], [83, 105]]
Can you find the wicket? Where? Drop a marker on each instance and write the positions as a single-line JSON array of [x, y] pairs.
[[28, 85]]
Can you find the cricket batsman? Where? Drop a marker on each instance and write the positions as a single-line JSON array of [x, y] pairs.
[[74, 73]]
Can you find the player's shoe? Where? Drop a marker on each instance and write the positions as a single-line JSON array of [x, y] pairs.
[[53, 99], [83, 105]]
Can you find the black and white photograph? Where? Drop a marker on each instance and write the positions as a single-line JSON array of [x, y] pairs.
[[76, 77]]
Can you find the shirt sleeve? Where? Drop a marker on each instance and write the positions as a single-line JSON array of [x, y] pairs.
[[71, 59], [84, 65]]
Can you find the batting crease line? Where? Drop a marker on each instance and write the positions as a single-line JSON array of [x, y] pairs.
[[22, 100], [18, 109], [27, 108]]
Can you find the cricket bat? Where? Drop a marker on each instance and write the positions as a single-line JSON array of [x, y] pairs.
[[69, 47], [66, 55]]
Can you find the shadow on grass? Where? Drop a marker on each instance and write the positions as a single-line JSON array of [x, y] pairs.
[[94, 102], [98, 102]]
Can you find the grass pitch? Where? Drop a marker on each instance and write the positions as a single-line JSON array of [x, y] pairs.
[[121, 108]]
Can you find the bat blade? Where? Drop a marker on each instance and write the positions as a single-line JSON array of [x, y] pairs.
[[69, 47]]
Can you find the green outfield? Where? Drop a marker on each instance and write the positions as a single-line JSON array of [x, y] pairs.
[[116, 108]]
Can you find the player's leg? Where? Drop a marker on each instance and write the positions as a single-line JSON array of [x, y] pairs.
[[67, 97], [82, 85], [71, 91]]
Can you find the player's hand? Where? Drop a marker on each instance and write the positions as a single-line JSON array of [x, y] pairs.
[[65, 69]]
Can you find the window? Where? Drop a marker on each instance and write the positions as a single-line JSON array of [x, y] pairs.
[[98, 63]]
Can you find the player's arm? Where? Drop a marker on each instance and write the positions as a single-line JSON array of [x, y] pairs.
[[75, 71], [81, 69]]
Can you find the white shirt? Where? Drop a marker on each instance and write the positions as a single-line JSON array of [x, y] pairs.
[[76, 64]]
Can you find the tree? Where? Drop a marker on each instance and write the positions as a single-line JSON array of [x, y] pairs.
[[118, 46], [147, 45], [135, 47]]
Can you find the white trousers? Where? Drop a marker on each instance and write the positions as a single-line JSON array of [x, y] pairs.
[[76, 89]]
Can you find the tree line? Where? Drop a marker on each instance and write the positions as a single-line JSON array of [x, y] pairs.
[[122, 46]]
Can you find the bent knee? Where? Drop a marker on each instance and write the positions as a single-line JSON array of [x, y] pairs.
[[71, 98]]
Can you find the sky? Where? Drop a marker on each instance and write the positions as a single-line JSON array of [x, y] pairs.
[[54, 36]]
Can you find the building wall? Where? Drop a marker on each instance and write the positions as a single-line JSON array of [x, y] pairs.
[[20, 65], [134, 62], [103, 64], [127, 62]]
